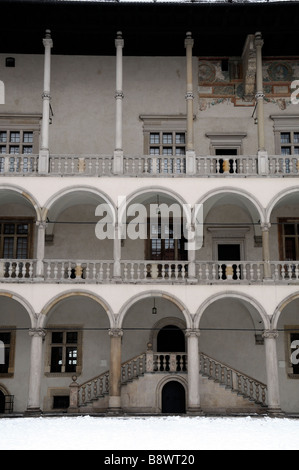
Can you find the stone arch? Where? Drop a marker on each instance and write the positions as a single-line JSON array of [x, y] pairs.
[[163, 322], [70, 197], [22, 301], [236, 295], [285, 194], [172, 378], [148, 294], [234, 196], [23, 196], [67, 295], [155, 190], [279, 309]]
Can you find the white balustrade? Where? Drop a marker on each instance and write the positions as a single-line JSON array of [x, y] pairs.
[[284, 165], [82, 271], [14, 164], [221, 271], [17, 269], [285, 271], [140, 270], [241, 165], [85, 165]]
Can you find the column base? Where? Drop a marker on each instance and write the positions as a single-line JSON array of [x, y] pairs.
[[33, 412], [275, 413], [196, 411]]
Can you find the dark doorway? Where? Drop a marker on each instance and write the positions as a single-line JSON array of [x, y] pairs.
[[229, 152], [171, 339], [173, 398], [230, 252], [2, 402]]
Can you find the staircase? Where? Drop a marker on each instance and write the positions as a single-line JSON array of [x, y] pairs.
[[93, 392]]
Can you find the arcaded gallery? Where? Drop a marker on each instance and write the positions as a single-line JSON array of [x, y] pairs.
[[127, 131]]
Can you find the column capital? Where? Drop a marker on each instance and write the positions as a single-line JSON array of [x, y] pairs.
[[119, 42], [259, 42], [192, 333], [41, 224], [116, 332], [47, 41], [270, 334], [41, 332], [189, 41], [265, 226]]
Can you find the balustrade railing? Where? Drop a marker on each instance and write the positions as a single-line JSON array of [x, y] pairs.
[[86, 165], [227, 165], [221, 271], [207, 272], [141, 270], [284, 165], [233, 379], [93, 389], [133, 368], [17, 269], [79, 270], [14, 164], [148, 165], [166, 361]]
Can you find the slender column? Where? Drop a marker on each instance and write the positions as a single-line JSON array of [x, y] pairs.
[[119, 96], [37, 336], [44, 150], [262, 154], [40, 252], [266, 250], [191, 254], [190, 154], [193, 372], [117, 252], [270, 337], [115, 371]]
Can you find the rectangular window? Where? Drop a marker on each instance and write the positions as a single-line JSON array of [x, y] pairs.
[[16, 142], [292, 350], [15, 239], [7, 339], [289, 143], [64, 351], [165, 246], [288, 234]]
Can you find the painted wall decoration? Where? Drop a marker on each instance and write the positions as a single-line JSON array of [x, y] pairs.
[[222, 81]]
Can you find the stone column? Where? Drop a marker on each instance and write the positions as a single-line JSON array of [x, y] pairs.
[[190, 154], [263, 167], [36, 358], [191, 253], [115, 371], [193, 371], [43, 166], [119, 96], [270, 337], [117, 253], [266, 250], [40, 251]]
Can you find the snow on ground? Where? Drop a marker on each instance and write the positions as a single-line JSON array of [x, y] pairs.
[[150, 433]]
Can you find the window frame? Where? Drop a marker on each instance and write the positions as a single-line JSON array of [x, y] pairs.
[[12, 346], [282, 221], [49, 345], [30, 236]]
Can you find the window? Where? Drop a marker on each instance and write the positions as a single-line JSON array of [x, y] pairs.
[[15, 239], [288, 236], [165, 247], [7, 338], [165, 136], [64, 351], [289, 143], [16, 142]]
